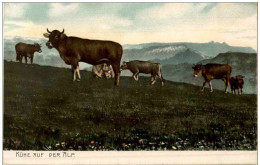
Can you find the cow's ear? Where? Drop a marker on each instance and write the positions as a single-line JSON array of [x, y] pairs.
[[46, 35]]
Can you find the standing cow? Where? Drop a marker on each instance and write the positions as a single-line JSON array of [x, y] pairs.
[[146, 67], [213, 71], [74, 50], [26, 50], [237, 82]]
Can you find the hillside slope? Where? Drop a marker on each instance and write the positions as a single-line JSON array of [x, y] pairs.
[[241, 63], [45, 110]]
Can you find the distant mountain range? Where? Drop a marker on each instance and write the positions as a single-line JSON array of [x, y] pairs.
[[206, 50], [176, 58], [186, 56]]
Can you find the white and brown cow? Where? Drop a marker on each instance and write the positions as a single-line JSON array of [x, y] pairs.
[[146, 67]]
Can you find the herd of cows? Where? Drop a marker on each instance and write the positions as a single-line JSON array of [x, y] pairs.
[[105, 56]]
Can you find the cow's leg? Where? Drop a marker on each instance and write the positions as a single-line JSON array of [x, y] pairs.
[[227, 83], [159, 74], [73, 68], [21, 59], [152, 78], [135, 75], [116, 68], [77, 70], [210, 85], [202, 89], [161, 78], [25, 59], [31, 60], [240, 91], [155, 78]]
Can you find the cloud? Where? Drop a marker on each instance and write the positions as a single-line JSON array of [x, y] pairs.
[[14, 10], [164, 11], [62, 10], [160, 22]]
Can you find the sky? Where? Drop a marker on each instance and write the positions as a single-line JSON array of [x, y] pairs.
[[134, 23]]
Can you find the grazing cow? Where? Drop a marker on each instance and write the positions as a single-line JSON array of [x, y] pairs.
[[136, 67], [213, 71], [26, 50], [101, 70], [74, 50], [236, 82]]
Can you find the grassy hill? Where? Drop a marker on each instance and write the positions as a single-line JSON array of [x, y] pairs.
[[45, 110]]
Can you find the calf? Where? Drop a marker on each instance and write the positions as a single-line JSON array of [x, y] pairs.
[[213, 71], [26, 50], [146, 67], [236, 82]]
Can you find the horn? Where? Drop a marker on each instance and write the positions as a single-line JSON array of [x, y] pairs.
[[48, 30], [62, 31]]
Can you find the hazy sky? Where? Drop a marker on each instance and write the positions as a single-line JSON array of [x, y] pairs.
[[131, 23]]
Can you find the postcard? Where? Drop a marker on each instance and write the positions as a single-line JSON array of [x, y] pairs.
[[129, 83]]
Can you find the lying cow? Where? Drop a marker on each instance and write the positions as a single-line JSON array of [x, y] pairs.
[[26, 50], [146, 67], [213, 71], [103, 70], [236, 82], [74, 50]]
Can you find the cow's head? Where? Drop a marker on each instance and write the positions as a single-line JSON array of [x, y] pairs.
[[55, 37], [37, 47], [123, 66], [197, 70]]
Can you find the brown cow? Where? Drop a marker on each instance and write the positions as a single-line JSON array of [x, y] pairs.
[[26, 50], [213, 71], [74, 50], [236, 82], [146, 67]]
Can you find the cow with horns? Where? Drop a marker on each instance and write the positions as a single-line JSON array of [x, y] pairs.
[[74, 50]]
